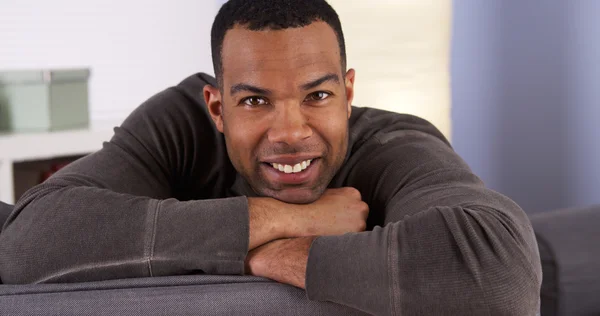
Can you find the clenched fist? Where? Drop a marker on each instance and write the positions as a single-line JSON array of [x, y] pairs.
[[337, 212]]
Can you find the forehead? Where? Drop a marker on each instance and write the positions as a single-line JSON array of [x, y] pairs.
[[279, 57]]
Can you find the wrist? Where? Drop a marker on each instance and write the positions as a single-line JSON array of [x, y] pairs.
[[266, 215], [285, 219], [283, 260], [279, 219], [289, 222]]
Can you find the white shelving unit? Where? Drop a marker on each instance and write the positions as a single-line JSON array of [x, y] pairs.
[[24, 147]]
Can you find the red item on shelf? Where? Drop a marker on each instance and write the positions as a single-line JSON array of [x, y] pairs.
[[59, 166], [53, 169]]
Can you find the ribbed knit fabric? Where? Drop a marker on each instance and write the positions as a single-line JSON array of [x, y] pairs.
[[162, 198]]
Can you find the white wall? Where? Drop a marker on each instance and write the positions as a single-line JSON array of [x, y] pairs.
[[139, 47], [135, 48], [401, 52]]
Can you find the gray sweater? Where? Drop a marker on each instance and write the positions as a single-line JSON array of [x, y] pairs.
[[162, 198]]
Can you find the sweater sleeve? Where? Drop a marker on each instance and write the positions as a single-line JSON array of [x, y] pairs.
[[141, 206], [442, 243]]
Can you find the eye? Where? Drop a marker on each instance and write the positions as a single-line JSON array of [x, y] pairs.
[[318, 96], [254, 101]]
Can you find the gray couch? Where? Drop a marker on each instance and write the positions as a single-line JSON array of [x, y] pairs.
[[569, 242]]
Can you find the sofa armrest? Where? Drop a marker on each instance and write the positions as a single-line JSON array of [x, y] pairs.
[[569, 244]]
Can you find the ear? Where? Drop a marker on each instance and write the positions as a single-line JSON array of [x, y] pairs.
[[212, 97], [350, 76]]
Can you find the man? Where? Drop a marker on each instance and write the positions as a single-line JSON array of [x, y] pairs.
[[270, 171]]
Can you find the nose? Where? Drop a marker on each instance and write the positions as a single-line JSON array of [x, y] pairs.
[[289, 126]]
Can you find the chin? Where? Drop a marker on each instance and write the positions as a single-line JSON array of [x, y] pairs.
[[296, 196]]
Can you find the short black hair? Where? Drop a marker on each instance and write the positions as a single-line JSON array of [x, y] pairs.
[[257, 15]]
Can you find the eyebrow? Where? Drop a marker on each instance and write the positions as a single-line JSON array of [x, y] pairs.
[[315, 83], [242, 87]]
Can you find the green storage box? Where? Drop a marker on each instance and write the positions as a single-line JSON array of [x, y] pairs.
[[44, 100]]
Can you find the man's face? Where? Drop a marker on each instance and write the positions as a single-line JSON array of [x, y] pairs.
[[283, 107]]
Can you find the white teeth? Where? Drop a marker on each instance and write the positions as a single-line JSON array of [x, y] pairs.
[[299, 167]]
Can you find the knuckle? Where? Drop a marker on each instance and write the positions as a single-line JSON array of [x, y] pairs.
[[365, 207], [362, 226], [361, 210], [354, 193]]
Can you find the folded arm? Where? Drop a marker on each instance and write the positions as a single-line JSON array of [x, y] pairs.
[[141, 206], [446, 244]]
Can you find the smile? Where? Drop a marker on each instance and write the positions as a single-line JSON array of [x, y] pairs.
[[299, 167], [284, 170]]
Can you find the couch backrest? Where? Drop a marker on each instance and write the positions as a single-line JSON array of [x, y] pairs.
[[175, 295]]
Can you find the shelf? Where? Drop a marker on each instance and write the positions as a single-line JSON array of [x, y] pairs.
[[37, 146], [20, 153]]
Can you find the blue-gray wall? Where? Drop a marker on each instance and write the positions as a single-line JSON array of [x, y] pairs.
[[526, 98]]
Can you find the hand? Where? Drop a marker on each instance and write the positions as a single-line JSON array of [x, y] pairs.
[[282, 260], [337, 212]]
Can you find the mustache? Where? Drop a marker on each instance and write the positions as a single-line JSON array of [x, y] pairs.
[[285, 149]]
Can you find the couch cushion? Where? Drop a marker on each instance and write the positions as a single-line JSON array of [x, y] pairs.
[[568, 241]]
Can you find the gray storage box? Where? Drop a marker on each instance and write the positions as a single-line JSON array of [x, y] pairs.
[[44, 100]]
